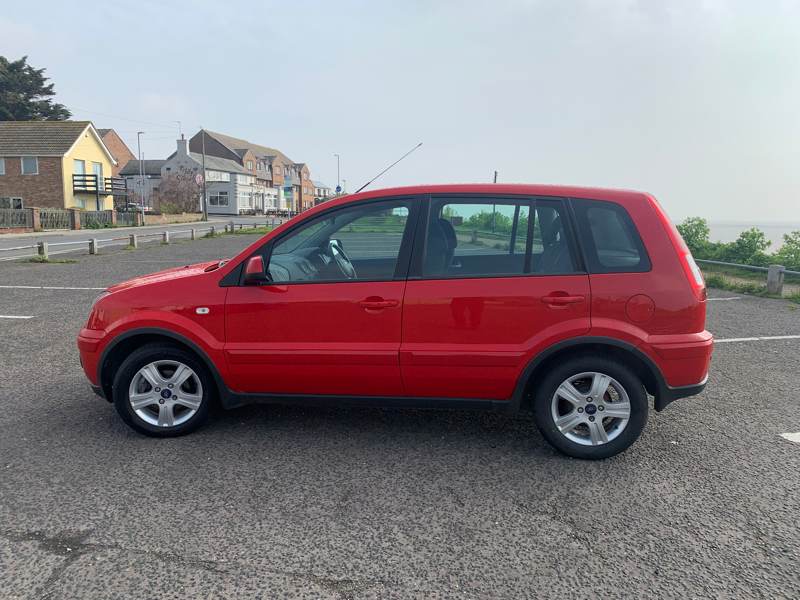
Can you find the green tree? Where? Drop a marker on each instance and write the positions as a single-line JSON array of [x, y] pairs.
[[25, 94], [789, 254], [695, 233], [748, 249]]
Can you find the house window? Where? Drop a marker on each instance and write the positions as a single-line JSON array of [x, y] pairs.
[[79, 167], [249, 165], [2, 166], [218, 199], [30, 165], [11, 203], [97, 169]]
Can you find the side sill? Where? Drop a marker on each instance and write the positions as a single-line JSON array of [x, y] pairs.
[[235, 400]]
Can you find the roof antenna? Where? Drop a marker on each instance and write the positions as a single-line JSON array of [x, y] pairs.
[[389, 167]]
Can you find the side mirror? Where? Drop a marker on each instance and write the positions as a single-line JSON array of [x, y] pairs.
[[254, 271]]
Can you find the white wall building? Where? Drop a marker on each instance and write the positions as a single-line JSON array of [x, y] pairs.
[[230, 187]]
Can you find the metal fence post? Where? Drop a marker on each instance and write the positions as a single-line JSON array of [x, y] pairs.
[[133, 241], [213, 231], [165, 238], [42, 249], [232, 226], [775, 277], [93, 246], [193, 234]]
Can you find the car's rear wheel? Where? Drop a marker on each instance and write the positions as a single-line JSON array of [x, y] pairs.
[[161, 390], [591, 407]]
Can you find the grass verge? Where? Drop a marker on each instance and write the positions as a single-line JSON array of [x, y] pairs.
[[49, 261]]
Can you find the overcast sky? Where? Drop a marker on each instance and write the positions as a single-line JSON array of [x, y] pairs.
[[695, 101]]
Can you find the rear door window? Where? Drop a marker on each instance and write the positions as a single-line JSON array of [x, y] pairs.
[[609, 238], [497, 237]]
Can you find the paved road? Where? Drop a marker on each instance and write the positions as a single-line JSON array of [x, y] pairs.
[[270, 502], [60, 242]]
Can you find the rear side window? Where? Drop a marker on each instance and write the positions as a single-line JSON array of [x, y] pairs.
[[609, 237]]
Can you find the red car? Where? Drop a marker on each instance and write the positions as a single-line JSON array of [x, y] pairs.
[[572, 303]]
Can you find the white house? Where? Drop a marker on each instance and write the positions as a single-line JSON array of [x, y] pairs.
[[230, 187]]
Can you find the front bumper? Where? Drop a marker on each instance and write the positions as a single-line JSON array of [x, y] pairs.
[[89, 345]]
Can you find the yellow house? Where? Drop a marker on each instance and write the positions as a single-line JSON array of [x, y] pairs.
[[56, 164], [88, 156]]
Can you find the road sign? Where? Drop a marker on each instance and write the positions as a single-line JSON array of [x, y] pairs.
[[198, 179], [338, 189]]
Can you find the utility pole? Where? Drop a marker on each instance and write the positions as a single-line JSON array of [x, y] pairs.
[[495, 177], [205, 194], [338, 175], [344, 186], [141, 171]]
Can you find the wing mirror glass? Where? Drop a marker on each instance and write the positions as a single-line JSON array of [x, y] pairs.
[[254, 271]]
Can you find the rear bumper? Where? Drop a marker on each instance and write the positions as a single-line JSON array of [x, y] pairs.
[[669, 394], [684, 361]]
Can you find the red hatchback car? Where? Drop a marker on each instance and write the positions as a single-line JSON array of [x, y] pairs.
[[572, 303]]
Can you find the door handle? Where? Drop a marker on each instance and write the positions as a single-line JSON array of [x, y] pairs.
[[377, 303], [562, 299]]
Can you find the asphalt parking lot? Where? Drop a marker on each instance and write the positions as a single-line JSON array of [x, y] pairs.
[[270, 501]]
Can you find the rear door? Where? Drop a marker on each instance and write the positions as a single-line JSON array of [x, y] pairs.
[[494, 280]]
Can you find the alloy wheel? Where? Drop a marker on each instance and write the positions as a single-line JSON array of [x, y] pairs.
[[165, 393], [590, 408]]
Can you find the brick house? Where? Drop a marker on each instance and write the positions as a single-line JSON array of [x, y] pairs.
[[56, 164], [119, 149], [272, 169]]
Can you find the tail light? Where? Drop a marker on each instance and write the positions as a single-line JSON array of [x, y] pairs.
[[690, 268], [694, 275]]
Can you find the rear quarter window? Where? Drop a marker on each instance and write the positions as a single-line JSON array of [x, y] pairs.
[[609, 238]]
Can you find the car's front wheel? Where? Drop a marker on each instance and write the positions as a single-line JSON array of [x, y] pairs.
[[162, 391], [591, 407]]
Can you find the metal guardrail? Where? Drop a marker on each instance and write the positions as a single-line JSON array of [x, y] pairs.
[[775, 273], [746, 267], [42, 248]]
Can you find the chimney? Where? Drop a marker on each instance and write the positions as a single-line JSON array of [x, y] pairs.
[[183, 148]]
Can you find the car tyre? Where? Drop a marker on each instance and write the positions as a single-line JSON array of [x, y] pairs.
[[583, 388], [162, 390]]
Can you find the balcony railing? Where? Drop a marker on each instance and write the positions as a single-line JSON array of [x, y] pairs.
[[99, 186]]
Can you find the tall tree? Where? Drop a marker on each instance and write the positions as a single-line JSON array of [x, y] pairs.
[[25, 94]]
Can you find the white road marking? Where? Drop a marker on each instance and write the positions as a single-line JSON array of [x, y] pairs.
[[792, 437], [15, 317], [765, 338], [723, 299], [46, 287]]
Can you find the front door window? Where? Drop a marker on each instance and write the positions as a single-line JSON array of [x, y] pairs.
[[353, 244]]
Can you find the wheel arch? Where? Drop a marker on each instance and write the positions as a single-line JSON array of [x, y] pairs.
[[114, 354], [634, 358]]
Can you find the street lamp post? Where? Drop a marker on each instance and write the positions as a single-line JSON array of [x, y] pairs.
[[205, 193], [141, 171], [338, 176]]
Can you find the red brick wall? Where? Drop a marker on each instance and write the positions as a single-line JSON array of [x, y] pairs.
[[118, 150], [42, 190], [306, 188]]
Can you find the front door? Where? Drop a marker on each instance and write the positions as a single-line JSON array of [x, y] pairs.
[[497, 281], [329, 321]]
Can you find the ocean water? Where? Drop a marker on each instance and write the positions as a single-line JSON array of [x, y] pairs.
[[727, 231]]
